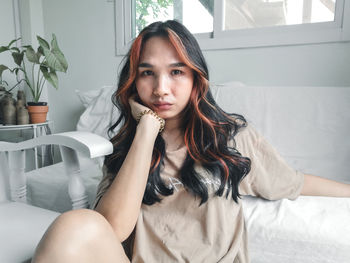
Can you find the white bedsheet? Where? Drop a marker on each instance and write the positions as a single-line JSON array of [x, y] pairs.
[[307, 230]]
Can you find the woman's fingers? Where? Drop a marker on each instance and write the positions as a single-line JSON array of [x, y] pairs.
[[136, 108]]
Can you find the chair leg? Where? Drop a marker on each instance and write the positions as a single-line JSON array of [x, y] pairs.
[[17, 177], [76, 188]]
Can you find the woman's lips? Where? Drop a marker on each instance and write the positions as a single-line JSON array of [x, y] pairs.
[[162, 106]]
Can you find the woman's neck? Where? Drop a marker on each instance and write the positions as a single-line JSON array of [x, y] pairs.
[[173, 136]]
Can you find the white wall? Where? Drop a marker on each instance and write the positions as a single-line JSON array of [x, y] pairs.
[[86, 33], [8, 33], [7, 29], [302, 65]]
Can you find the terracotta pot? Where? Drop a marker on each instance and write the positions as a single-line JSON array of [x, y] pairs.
[[37, 113]]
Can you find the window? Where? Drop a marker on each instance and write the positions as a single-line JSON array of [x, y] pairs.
[[223, 24]]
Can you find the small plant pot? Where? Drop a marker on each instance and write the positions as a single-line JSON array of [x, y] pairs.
[[37, 111]]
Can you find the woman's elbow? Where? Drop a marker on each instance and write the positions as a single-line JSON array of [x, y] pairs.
[[121, 228]]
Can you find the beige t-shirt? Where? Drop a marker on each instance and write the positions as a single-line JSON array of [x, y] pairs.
[[179, 230]]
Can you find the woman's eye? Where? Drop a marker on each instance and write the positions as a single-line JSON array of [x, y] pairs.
[[147, 73], [176, 72]]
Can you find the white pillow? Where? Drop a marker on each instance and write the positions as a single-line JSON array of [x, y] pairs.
[[88, 96], [100, 112], [99, 115]]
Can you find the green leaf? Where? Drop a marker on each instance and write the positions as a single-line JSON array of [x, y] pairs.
[[13, 41], [2, 69], [4, 82], [53, 61], [54, 79], [58, 53], [41, 51], [32, 56], [3, 48], [54, 44], [61, 59], [43, 43], [51, 76], [18, 57], [45, 71], [15, 49]]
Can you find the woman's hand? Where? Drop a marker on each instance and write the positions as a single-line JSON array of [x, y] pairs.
[[147, 120], [136, 108]]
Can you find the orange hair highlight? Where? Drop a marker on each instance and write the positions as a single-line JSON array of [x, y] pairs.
[[197, 148]]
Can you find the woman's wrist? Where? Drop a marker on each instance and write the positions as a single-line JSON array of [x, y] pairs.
[[154, 116], [148, 126]]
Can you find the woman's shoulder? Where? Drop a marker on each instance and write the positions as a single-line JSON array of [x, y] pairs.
[[246, 134]]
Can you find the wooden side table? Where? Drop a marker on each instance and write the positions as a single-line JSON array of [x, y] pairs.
[[38, 129]]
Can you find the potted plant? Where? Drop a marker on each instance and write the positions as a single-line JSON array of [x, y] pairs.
[[7, 103], [5, 89], [35, 68]]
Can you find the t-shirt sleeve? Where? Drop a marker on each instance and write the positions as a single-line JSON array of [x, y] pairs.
[[103, 186], [270, 176]]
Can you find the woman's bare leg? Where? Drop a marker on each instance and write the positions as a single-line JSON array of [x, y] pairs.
[[80, 236]]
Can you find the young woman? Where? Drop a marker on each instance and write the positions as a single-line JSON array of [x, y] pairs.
[[171, 189]]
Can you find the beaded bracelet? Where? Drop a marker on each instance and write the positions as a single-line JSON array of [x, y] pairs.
[[161, 120]]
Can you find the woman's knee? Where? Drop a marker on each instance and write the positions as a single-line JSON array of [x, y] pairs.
[[82, 223], [75, 234]]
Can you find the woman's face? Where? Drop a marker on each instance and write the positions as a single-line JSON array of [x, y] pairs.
[[164, 83]]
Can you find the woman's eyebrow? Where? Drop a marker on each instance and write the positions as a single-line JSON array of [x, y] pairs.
[[145, 65], [148, 65], [178, 64]]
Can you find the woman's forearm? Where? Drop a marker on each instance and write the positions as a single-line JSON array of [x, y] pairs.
[[121, 203], [319, 186]]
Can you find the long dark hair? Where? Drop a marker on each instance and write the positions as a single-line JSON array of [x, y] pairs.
[[207, 129]]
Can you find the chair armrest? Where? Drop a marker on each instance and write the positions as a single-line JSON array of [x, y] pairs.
[[89, 144]]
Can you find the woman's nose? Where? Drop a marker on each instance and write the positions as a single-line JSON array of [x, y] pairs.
[[161, 86]]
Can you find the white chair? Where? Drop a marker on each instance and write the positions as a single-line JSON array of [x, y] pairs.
[[22, 225]]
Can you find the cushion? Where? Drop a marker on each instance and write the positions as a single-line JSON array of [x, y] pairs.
[[100, 113], [25, 225]]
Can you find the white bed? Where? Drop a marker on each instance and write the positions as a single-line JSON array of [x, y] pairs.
[[309, 126]]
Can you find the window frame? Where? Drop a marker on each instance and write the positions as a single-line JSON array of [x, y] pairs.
[[314, 33]]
